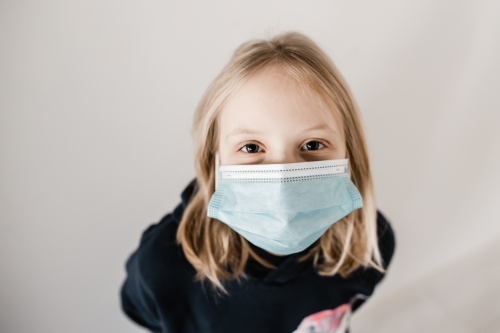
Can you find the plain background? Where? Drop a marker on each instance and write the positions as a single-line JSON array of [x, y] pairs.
[[96, 104]]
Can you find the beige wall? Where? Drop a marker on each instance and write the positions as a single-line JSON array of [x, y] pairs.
[[96, 101]]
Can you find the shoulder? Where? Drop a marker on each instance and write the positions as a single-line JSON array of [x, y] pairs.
[[386, 239], [159, 258], [368, 277], [158, 254], [387, 244]]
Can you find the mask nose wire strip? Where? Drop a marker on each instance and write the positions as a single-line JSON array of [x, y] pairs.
[[289, 170], [282, 174]]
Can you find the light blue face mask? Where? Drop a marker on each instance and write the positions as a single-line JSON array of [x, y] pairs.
[[283, 208]]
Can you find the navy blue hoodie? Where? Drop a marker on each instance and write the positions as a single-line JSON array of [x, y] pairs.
[[160, 291]]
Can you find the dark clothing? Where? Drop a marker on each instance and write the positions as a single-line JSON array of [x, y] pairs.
[[161, 293]]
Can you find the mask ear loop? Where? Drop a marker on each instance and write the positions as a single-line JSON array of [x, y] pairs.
[[217, 163]]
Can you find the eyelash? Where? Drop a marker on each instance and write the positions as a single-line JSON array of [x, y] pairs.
[[241, 149], [321, 143]]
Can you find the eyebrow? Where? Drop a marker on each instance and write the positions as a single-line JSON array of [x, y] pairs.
[[242, 130], [318, 127]]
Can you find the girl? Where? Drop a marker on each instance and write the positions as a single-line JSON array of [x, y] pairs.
[[279, 230]]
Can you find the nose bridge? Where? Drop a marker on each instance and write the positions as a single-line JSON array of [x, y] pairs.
[[283, 154]]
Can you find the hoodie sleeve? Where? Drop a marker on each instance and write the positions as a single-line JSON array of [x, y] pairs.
[[138, 294], [154, 272], [137, 300]]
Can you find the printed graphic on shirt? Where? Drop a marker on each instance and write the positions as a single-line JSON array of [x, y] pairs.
[[327, 321], [330, 321]]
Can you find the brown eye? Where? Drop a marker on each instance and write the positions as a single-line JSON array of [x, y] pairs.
[[251, 148], [312, 145]]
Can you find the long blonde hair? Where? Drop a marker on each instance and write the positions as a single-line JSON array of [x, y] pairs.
[[215, 250]]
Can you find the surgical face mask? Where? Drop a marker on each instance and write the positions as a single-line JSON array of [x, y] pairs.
[[283, 208]]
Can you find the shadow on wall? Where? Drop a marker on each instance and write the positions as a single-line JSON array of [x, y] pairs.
[[461, 298]]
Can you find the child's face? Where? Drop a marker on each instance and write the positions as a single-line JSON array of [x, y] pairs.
[[270, 119]]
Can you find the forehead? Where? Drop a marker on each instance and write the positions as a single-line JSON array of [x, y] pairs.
[[272, 99]]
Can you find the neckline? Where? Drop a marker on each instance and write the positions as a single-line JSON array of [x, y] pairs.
[[287, 266], [269, 257]]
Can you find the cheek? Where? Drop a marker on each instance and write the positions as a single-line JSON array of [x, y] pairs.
[[335, 155], [339, 152], [344, 152]]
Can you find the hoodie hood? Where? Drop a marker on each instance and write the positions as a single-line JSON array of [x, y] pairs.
[[185, 196]]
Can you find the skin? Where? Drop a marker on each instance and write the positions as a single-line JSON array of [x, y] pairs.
[[273, 119]]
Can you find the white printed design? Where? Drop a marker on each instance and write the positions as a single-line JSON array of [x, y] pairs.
[[328, 321]]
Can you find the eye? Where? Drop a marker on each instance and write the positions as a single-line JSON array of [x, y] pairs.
[[251, 148], [312, 145]]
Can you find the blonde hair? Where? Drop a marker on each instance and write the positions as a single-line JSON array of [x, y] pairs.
[[215, 250]]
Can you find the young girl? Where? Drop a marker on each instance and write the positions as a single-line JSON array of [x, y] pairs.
[[279, 231]]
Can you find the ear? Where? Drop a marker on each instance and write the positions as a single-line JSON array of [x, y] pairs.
[[217, 163]]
